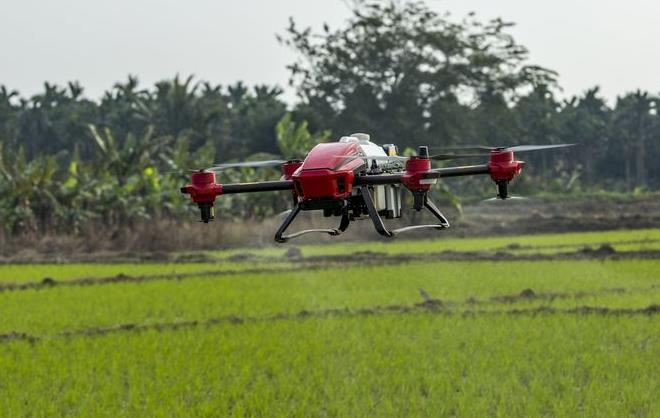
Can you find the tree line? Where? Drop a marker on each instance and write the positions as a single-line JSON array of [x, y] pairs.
[[400, 71]]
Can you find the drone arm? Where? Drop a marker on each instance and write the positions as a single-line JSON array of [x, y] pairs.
[[203, 190], [208, 189], [379, 179], [469, 170], [263, 186]]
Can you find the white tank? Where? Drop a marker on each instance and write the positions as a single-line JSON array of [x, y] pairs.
[[369, 148]]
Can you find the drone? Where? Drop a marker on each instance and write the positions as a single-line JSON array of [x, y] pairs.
[[355, 179]]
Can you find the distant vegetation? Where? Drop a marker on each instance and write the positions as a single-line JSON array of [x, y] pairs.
[[396, 70]]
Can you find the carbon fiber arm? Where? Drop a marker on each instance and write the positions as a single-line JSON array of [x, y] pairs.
[[262, 186], [470, 170]]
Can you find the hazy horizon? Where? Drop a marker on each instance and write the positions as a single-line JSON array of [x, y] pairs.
[[99, 43]]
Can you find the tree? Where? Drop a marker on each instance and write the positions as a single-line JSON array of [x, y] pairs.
[[395, 66], [124, 108], [585, 120], [55, 120], [254, 115], [538, 114], [9, 114], [633, 121], [294, 139]]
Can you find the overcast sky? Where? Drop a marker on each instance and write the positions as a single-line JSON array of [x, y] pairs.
[[609, 43]]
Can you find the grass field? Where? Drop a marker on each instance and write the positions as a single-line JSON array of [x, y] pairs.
[[567, 334], [621, 240]]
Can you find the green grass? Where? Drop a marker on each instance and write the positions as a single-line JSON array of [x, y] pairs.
[[53, 310], [344, 340], [20, 273], [392, 365], [623, 240]]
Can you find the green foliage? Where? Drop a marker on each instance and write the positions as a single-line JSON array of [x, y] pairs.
[[294, 139], [421, 364], [125, 158], [398, 70], [120, 185]]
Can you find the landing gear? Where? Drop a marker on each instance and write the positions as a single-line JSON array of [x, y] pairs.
[[280, 237], [206, 212], [355, 208], [420, 200], [502, 189]]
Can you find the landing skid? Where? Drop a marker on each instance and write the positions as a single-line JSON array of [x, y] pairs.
[[280, 237], [422, 201]]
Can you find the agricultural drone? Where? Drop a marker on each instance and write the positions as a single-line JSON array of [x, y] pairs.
[[356, 179]]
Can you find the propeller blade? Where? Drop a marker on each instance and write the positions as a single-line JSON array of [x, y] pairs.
[[515, 148], [183, 171], [496, 199], [251, 164], [446, 157], [466, 148], [524, 148], [436, 157]]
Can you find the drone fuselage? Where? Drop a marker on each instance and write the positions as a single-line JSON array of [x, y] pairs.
[[325, 180]]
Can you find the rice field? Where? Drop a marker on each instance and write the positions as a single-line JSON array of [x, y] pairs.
[[552, 330]]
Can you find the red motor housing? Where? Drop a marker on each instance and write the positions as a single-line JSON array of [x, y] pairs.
[[502, 166], [412, 178], [203, 188]]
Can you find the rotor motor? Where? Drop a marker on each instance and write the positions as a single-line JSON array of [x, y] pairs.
[[203, 191], [502, 168]]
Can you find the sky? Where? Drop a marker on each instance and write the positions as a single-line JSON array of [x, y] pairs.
[[613, 44]]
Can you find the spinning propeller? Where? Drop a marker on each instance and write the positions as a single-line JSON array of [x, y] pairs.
[[277, 163], [398, 158], [435, 157], [251, 164], [499, 199], [516, 148]]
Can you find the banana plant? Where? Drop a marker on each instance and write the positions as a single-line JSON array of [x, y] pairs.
[[294, 139]]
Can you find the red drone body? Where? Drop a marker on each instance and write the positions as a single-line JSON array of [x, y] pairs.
[[355, 179], [327, 172]]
